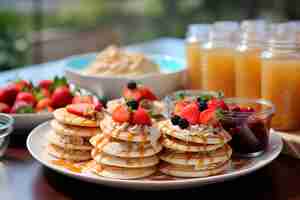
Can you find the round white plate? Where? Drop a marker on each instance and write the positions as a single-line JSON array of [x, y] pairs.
[[36, 145]]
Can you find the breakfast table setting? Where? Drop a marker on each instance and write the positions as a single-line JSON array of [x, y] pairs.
[[63, 154]]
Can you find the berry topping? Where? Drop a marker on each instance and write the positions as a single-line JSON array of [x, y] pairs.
[[179, 106], [175, 120], [132, 94], [140, 116], [216, 103], [183, 123], [82, 109], [191, 113], [133, 104], [121, 114], [207, 116], [132, 85], [202, 105], [148, 94]]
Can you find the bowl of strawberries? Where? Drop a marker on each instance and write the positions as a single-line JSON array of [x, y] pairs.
[[31, 104]]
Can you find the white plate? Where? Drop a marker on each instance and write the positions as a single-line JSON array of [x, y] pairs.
[[30, 120], [36, 145]]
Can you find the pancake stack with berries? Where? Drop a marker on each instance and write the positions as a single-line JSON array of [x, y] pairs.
[[129, 145], [72, 129], [194, 140]]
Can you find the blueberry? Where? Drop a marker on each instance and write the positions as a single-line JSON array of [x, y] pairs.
[[183, 123], [132, 85], [133, 104], [175, 120], [202, 105]]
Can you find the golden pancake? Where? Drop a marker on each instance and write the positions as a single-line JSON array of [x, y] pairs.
[[205, 136], [67, 154], [197, 160], [65, 117], [109, 160], [123, 173], [65, 129], [190, 171], [178, 145], [69, 142]]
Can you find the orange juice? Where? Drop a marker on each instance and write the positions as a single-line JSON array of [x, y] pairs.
[[197, 33], [281, 77], [281, 85], [248, 71], [218, 70], [193, 54]]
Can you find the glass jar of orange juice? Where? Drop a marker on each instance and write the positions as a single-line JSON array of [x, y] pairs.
[[218, 61], [281, 77], [196, 35], [247, 59]]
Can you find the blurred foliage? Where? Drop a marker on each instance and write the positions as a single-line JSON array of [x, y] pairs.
[[14, 43], [134, 20]]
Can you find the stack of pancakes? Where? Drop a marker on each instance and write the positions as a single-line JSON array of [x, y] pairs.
[[190, 154], [122, 154], [69, 139]]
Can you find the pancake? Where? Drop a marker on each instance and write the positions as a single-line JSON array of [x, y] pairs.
[[178, 145], [109, 160], [65, 117], [119, 148], [67, 154], [197, 160], [202, 137], [123, 173], [70, 130], [69, 142], [106, 127], [190, 171]]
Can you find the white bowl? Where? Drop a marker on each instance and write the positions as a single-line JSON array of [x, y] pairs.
[[170, 79]]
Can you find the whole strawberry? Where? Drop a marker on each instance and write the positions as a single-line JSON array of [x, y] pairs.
[[4, 108], [27, 97], [8, 94], [61, 97]]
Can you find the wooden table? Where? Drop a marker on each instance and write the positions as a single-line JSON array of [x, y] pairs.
[[23, 178]]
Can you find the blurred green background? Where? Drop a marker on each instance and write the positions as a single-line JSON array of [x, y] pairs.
[[35, 31]]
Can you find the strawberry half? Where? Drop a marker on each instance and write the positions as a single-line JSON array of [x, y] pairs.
[[82, 109], [121, 114], [216, 103], [179, 106], [191, 113], [132, 94], [147, 94], [207, 116], [140, 116]]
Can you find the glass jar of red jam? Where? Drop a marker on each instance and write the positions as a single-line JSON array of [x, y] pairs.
[[248, 121]]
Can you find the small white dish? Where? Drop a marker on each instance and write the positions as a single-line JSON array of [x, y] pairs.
[[28, 121], [170, 79], [36, 143]]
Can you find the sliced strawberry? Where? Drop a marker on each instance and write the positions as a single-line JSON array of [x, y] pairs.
[[190, 113], [4, 108], [82, 99], [132, 94], [45, 84], [147, 94], [217, 103], [61, 97], [140, 116], [43, 105], [179, 106], [81, 109], [27, 97], [121, 114], [207, 116]]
